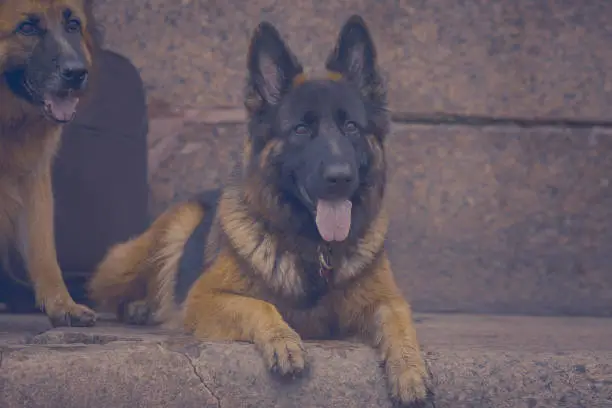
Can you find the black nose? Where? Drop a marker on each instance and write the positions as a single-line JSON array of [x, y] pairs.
[[338, 175], [74, 74]]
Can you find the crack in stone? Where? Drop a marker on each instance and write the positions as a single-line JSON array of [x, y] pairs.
[[195, 371], [197, 374]]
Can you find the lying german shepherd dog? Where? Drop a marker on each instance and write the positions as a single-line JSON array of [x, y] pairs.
[[298, 230], [45, 58]]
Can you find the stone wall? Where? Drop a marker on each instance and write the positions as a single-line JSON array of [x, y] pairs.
[[500, 158]]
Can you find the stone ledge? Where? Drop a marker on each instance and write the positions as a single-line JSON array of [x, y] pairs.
[[477, 361]]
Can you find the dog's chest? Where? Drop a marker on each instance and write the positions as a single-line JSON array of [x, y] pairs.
[[27, 153], [317, 322]]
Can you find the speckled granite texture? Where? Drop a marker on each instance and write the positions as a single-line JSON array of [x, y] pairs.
[[476, 362], [527, 58]]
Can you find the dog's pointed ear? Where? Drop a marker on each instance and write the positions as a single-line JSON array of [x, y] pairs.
[[272, 66], [354, 59], [354, 56]]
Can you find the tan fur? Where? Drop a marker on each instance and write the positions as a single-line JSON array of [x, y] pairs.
[[28, 143], [144, 268], [227, 304]]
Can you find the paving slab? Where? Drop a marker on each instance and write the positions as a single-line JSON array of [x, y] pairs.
[[476, 361], [491, 219], [524, 58]]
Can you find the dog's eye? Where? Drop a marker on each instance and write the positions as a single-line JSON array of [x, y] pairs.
[[350, 127], [28, 28], [73, 26], [301, 130]]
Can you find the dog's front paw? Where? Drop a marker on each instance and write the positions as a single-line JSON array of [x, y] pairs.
[[409, 384], [284, 354], [137, 312], [69, 313]]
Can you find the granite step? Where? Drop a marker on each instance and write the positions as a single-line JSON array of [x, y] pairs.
[[476, 361]]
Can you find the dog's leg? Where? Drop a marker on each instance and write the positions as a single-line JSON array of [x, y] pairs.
[[214, 315], [37, 246], [395, 338], [376, 309], [237, 318]]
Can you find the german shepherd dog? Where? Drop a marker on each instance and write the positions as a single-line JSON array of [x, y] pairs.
[[293, 248], [45, 58]]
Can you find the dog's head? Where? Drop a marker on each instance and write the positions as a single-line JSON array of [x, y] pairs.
[[46, 54], [319, 141]]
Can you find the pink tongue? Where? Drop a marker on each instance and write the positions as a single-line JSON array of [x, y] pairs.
[[62, 109], [334, 219]]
